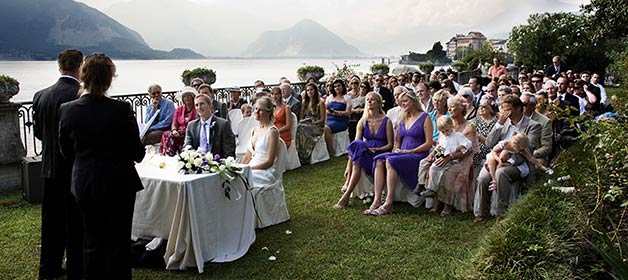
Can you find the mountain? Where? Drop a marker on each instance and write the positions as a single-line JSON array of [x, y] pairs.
[[40, 29], [305, 39]]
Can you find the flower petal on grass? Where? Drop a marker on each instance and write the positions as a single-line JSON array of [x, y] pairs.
[[288, 232], [272, 258]]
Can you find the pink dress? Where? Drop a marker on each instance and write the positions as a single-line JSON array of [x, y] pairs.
[[170, 144]]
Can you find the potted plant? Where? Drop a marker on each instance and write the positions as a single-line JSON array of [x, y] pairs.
[[427, 67], [8, 88], [207, 75], [458, 65], [310, 71], [379, 68]]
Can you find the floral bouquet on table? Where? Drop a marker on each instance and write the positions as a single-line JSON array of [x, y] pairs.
[[193, 162]]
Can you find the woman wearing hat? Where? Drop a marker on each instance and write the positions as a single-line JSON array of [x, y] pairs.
[[172, 140]]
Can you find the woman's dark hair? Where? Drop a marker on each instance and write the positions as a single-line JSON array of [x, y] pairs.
[[342, 83], [311, 104], [367, 85], [97, 73]]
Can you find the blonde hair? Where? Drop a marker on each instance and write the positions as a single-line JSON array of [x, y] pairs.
[[457, 102], [266, 104], [440, 95], [443, 123], [520, 141], [414, 99], [245, 106], [378, 98]]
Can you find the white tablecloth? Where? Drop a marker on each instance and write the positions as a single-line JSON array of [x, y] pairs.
[[192, 212]]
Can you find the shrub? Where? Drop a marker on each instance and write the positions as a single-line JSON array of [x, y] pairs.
[[303, 71], [379, 68], [7, 80], [208, 75]]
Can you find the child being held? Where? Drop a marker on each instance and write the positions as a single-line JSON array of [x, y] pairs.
[[449, 142], [503, 155]]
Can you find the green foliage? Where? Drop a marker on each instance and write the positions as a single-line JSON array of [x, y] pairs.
[[539, 240], [426, 67], [563, 34], [380, 68], [607, 18], [346, 71], [485, 53], [315, 70], [198, 71], [459, 64], [7, 80], [436, 54]]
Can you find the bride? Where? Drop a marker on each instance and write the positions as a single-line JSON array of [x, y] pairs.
[[266, 156]]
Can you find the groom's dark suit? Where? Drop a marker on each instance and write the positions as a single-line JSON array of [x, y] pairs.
[[61, 220], [222, 139]]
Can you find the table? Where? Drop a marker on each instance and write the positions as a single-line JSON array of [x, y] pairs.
[[192, 212]]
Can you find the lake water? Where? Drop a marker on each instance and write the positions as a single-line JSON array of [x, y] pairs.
[[134, 76]]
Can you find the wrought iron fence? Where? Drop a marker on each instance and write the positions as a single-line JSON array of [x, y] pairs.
[[138, 102]]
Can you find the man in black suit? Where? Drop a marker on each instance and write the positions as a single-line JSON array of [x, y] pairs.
[[556, 69], [475, 82], [576, 108], [209, 132], [99, 135], [378, 86], [61, 228]]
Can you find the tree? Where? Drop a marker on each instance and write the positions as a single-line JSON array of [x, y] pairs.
[[485, 53], [563, 34], [437, 53], [607, 18]]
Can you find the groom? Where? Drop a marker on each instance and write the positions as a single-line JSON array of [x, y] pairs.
[[209, 133]]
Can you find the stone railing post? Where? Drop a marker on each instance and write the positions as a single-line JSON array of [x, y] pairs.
[[11, 147]]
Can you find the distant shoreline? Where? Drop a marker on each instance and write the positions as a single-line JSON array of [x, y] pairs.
[[228, 57]]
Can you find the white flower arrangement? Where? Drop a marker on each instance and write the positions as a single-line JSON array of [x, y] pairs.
[[193, 162]]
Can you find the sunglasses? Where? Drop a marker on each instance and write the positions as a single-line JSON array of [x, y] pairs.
[[196, 85], [537, 81], [378, 80]]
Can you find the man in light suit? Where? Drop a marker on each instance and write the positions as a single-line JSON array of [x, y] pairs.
[[61, 225], [209, 133], [511, 121], [547, 134], [289, 99]]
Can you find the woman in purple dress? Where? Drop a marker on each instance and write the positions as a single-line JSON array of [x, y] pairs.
[[361, 152], [413, 143]]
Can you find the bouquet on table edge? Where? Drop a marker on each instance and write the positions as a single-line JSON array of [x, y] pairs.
[[193, 162]]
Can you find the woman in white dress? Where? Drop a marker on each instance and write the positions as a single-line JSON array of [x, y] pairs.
[[263, 146], [266, 155]]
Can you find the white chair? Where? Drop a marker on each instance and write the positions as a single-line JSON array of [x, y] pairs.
[[341, 141], [270, 200], [244, 135], [319, 153], [293, 156], [235, 117]]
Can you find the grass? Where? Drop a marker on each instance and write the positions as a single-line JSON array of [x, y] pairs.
[[324, 244]]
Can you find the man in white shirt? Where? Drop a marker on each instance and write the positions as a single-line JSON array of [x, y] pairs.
[[595, 80]]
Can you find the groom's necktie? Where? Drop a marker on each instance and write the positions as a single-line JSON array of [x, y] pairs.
[[204, 144]]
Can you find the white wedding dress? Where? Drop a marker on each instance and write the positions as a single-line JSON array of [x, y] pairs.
[[267, 186]]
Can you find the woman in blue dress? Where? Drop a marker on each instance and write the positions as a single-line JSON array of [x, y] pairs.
[[413, 143], [377, 131], [338, 112]]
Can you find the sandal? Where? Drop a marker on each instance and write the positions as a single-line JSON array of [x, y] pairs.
[[341, 204], [381, 211], [371, 209], [492, 186]]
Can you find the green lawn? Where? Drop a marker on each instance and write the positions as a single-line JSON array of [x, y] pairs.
[[324, 244]]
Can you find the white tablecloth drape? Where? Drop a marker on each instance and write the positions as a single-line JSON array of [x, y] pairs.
[[192, 212]]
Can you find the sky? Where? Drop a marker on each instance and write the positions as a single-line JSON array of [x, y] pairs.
[[218, 28]]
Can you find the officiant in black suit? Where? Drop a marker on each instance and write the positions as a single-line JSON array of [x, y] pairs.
[[99, 135], [61, 226], [209, 133]]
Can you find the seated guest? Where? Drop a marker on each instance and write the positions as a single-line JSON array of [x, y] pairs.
[[247, 110], [235, 102], [288, 99], [413, 143], [220, 109], [163, 121], [455, 186], [471, 110], [511, 121], [394, 114], [282, 117], [172, 140], [377, 131], [338, 112], [451, 144], [484, 123], [357, 105], [312, 122], [209, 133], [196, 83]]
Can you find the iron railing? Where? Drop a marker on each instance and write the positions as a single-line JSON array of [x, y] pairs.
[[138, 102]]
